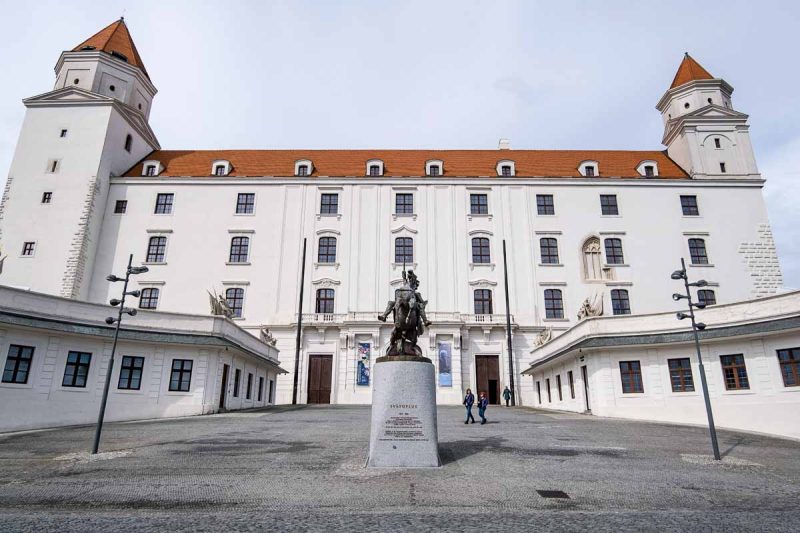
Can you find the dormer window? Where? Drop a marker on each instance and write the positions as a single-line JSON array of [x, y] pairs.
[[119, 55], [648, 169], [152, 168], [589, 169], [220, 167], [374, 167], [434, 168], [505, 168], [303, 167]]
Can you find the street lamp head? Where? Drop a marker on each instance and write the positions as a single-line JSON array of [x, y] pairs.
[[129, 311], [112, 278], [110, 320], [135, 293], [139, 270], [114, 302], [678, 297], [699, 283], [700, 305], [678, 274], [700, 326], [681, 315]]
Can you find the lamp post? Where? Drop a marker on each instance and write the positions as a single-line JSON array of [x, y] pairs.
[[697, 327], [111, 320]]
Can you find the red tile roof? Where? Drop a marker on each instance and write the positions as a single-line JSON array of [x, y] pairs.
[[689, 70], [115, 38], [399, 163]]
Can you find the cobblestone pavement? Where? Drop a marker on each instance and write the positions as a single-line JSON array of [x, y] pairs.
[[290, 468]]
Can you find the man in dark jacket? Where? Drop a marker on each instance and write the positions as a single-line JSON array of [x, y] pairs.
[[507, 395], [469, 400], [483, 403]]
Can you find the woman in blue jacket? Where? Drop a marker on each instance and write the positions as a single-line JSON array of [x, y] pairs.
[[483, 403], [469, 400]]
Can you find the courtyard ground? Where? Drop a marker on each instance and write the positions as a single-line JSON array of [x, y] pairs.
[[291, 468]]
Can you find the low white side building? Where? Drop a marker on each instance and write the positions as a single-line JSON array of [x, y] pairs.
[[55, 353], [645, 367]]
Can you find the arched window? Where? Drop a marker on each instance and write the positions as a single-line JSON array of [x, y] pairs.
[[480, 250], [156, 249], [324, 301], [620, 303], [149, 298], [592, 260], [326, 251], [240, 247], [614, 251], [128, 143], [553, 303], [403, 250], [235, 299], [483, 302]]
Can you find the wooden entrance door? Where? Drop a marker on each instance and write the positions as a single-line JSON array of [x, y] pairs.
[[487, 374], [223, 389], [319, 378]]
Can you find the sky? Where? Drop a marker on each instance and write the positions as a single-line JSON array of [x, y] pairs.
[[432, 74]]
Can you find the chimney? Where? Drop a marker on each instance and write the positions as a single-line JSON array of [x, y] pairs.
[[504, 144]]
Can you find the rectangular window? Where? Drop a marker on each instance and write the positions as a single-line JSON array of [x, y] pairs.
[[734, 372], [180, 379], [404, 250], [156, 250], [235, 299], [717, 144], [680, 375], [164, 203], [434, 170], [706, 297], [28, 248], [483, 301], [539, 391], [326, 251], [374, 170], [149, 298], [47, 197], [547, 386], [219, 170], [789, 360], [52, 166], [325, 301], [689, 206], [548, 247], [505, 170], [245, 203], [249, 386], [697, 251], [558, 386], [329, 204], [631, 373], [63, 133], [614, 254], [130, 373], [649, 172], [571, 382], [270, 395], [150, 170], [237, 376], [620, 303], [479, 204], [120, 207], [589, 171], [545, 205], [608, 204], [553, 303], [404, 203], [722, 168], [18, 364], [77, 369], [260, 388], [302, 170], [480, 250], [240, 248]]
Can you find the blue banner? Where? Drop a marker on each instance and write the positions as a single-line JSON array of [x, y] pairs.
[[445, 365], [362, 376]]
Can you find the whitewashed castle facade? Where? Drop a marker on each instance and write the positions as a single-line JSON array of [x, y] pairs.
[[592, 229]]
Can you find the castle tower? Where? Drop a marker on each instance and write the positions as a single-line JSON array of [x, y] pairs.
[[702, 131], [91, 126]]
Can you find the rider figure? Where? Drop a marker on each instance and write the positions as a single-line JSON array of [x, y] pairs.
[[413, 282]]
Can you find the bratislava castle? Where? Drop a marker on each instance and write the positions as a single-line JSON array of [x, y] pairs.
[[586, 232]]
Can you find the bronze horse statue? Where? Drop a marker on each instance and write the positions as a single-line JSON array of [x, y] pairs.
[[410, 320]]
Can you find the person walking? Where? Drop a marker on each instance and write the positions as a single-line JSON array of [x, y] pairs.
[[469, 400], [483, 403], [507, 395]]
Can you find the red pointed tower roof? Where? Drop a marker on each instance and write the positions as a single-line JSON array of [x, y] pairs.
[[690, 70], [115, 38]]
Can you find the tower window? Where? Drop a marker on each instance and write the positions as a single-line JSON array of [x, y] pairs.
[[717, 144], [120, 206], [46, 197], [140, 107], [28, 248], [119, 55], [709, 101], [235, 299], [722, 168], [52, 166], [63, 133], [648, 171], [686, 105], [620, 302], [128, 143], [112, 88], [76, 81]]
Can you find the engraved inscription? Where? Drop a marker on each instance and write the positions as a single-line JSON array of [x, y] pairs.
[[403, 426]]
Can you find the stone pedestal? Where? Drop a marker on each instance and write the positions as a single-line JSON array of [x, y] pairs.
[[404, 432]]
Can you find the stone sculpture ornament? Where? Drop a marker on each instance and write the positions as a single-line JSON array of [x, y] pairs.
[[219, 305], [591, 306], [543, 337], [267, 337], [408, 310]]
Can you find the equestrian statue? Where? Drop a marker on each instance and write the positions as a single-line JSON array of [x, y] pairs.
[[408, 310]]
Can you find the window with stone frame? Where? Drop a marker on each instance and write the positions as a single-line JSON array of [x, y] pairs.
[[631, 374], [326, 251], [149, 298], [329, 204], [164, 203], [480, 250], [479, 204], [614, 254], [240, 250], [374, 170], [130, 373], [156, 249], [789, 361], [235, 300], [697, 251], [734, 372], [483, 301], [620, 303], [548, 247], [680, 374], [553, 303], [689, 205], [18, 364], [404, 250], [505, 170], [608, 204], [545, 205], [404, 203], [245, 203], [302, 170], [180, 379], [76, 371], [325, 301]]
